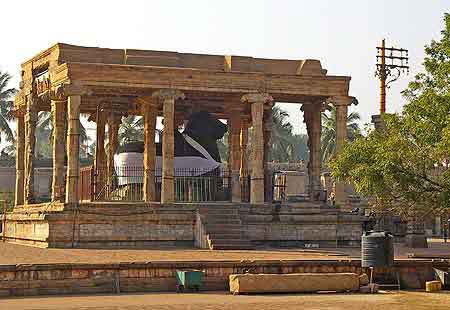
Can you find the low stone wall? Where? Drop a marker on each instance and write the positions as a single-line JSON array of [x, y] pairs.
[[27, 280], [101, 225], [109, 224], [301, 225]]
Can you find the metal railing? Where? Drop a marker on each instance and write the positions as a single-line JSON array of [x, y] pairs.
[[85, 183], [278, 186], [191, 185]]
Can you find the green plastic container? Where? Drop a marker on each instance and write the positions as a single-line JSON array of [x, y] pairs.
[[189, 279]]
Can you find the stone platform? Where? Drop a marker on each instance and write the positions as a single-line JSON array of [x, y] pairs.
[[210, 226], [159, 276]]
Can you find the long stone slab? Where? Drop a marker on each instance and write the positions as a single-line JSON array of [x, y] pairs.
[[293, 283]]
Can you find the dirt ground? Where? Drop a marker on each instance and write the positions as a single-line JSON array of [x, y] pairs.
[[19, 254], [225, 301]]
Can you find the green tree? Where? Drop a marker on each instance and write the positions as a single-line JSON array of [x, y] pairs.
[[6, 107], [131, 129], [282, 137], [299, 147], [286, 146], [44, 134], [328, 139], [405, 167]]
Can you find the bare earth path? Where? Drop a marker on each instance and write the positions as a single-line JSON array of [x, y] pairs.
[[225, 301], [18, 254]]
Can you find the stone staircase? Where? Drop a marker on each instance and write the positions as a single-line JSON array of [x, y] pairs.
[[220, 228]]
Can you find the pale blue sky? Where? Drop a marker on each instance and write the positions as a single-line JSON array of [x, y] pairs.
[[341, 34]]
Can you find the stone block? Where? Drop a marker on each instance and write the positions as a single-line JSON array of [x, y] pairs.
[[293, 283], [416, 241], [370, 288], [80, 273], [363, 279], [7, 275], [433, 286]]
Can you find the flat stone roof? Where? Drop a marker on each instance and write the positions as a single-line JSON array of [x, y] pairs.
[[74, 53]]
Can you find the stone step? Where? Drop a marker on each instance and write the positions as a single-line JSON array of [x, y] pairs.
[[224, 235], [223, 221], [219, 211], [222, 227], [231, 244]]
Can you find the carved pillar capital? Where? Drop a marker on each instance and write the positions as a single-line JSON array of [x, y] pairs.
[[257, 97], [62, 91], [172, 94], [340, 100]]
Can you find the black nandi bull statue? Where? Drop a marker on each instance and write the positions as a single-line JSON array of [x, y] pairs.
[[197, 163]]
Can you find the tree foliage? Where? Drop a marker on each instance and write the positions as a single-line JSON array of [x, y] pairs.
[[44, 134], [405, 167], [6, 106], [328, 138], [286, 146]]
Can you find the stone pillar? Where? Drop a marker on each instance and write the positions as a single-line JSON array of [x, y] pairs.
[[341, 104], [113, 143], [257, 102], [234, 157], [58, 120], [168, 97], [30, 142], [20, 158], [415, 233], [312, 118], [73, 148], [150, 113], [268, 123], [100, 154], [243, 170]]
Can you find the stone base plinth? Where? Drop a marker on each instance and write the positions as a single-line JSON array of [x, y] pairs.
[[101, 225], [416, 241], [305, 225], [119, 224]]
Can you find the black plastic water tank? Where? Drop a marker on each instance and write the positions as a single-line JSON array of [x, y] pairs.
[[377, 249]]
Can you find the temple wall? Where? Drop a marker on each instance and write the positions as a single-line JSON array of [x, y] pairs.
[[49, 279], [42, 180], [301, 226], [108, 225]]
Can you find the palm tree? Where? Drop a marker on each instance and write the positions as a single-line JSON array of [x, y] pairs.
[[283, 148], [329, 132], [44, 134], [286, 146], [6, 106], [131, 129]]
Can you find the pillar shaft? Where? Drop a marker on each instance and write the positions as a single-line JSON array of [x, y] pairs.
[[312, 117], [268, 186], [243, 171], [30, 142], [20, 159], [257, 175], [73, 148], [149, 152], [100, 154], [113, 142], [341, 136], [168, 186], [58, 150], [168, 97], [234, 160]]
